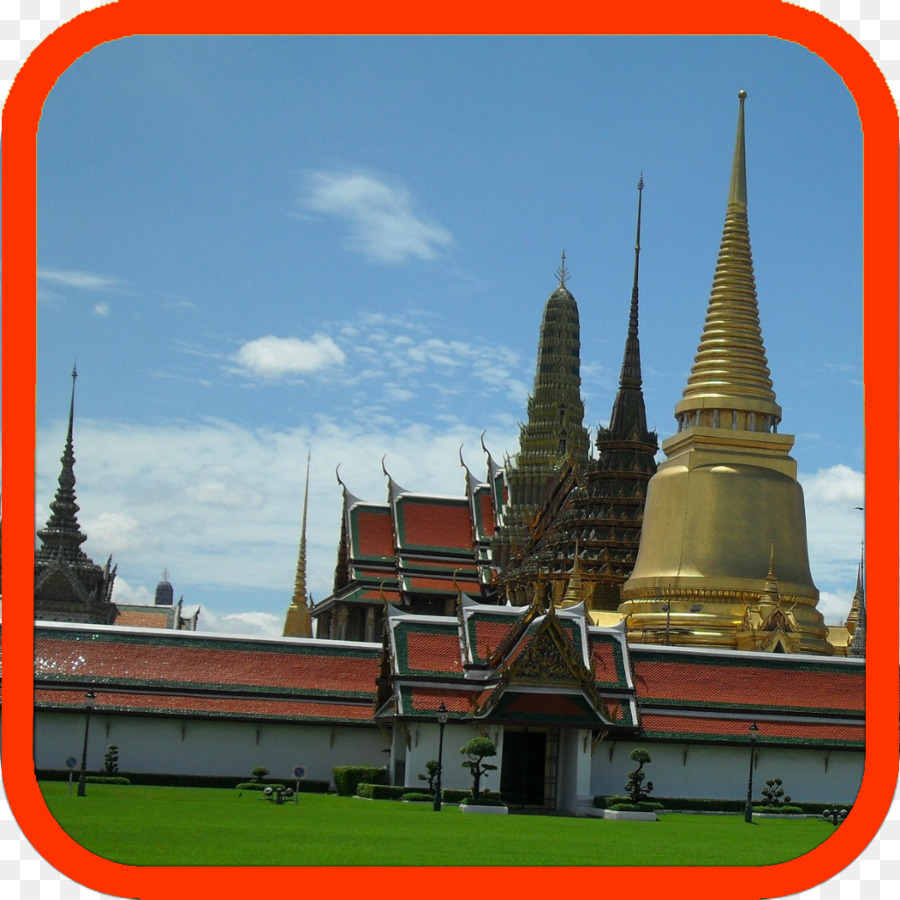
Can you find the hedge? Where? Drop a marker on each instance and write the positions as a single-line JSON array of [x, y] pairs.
[[380, 791], [418, 797], [258, 786], [699, 804], [348, 778], [106, 779], [165, 779]]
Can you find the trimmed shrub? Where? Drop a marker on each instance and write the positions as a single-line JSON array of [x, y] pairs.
[[416, 797], [106, 779], [455, 795], [348, 778], [477, 750], [380, 791], [258, 786], [643, 806], [483, 800]]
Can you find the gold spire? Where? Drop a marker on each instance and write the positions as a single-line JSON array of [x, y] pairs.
[[298, 623], [727, 492], [730, 386]]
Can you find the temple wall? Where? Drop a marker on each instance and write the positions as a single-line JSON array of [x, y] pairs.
[[719, 772], [205, 746]]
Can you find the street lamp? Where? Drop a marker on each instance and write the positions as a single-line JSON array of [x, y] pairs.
[[88, 706], [442, 717], [748, 809]]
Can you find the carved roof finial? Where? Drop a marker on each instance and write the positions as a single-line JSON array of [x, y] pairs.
[[562, 273]]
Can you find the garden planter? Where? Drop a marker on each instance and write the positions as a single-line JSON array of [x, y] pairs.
[[629, 816]]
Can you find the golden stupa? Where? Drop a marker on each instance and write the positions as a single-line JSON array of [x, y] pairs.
[[723, 558]]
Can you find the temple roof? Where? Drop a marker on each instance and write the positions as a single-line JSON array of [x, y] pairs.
[[122, 660]]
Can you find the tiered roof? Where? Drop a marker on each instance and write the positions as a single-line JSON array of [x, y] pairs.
[[416, 550], [514, 665], [507, 665]]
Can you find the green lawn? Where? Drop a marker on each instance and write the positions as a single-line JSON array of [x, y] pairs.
[[207, 827]]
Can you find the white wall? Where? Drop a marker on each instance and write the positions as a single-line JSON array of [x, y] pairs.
[[423, 745], [682, 770], [205, 746]]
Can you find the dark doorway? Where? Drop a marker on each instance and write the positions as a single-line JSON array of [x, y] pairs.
[[523, 768]]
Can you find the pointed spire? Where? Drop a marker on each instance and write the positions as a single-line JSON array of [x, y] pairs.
[[299, 597], [62, 536], [629, 416], [730, 385], [858, 643], [297, 622], [631, 363]]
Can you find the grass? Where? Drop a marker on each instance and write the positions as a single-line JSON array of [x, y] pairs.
[[157, 826]]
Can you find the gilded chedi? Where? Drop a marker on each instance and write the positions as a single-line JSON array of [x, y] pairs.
[[723, 559]]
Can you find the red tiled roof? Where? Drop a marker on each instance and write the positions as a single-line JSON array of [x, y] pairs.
[[714, 681], [432, 651], [605, 660], [143, 618], [165, 659], [422, 583], [485, 512], [803, 732], [489, 633], [221, 706], [416, 700], [372, 530], [432, 523]]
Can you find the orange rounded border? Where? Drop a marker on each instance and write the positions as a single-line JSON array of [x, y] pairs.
[[880, 159]]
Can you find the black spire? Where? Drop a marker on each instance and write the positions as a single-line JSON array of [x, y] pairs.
[[62, 537], [629, 418]]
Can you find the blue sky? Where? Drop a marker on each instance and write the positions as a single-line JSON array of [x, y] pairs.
[[257, 248]]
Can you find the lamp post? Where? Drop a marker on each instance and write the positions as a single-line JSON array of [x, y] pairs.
[[88, 706], [748, 809], [442, 717]]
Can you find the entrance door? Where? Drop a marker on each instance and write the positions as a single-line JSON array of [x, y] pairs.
[[524, 767]]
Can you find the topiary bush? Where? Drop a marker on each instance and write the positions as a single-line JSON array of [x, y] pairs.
[[634, 787], [348, 778], [774, 795], [417, 797], [477, 749]]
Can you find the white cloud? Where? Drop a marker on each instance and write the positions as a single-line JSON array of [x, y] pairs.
[[383, 224], [273, 357], [257, 624], [101, 309], [835, 531], [85, 281]]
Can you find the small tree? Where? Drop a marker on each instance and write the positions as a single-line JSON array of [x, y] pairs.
[[432, 767], [477, 749], [634, 787], [111, 760], [773, 794], [259, 772]]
